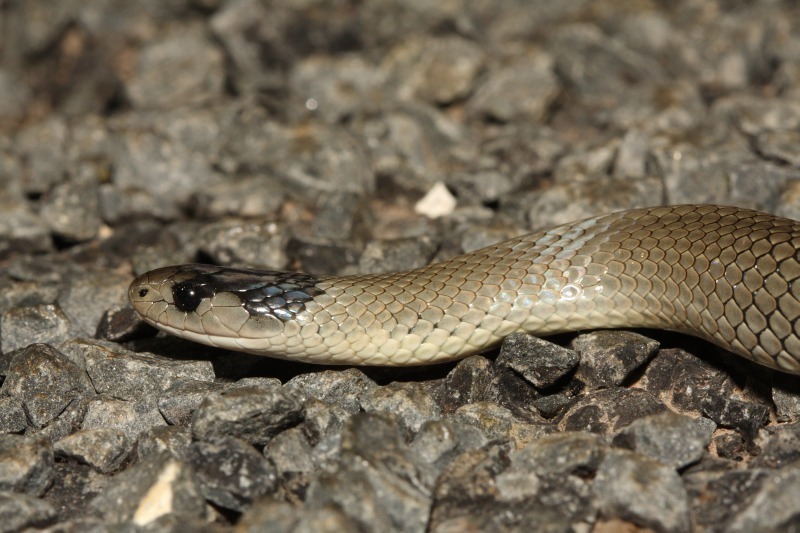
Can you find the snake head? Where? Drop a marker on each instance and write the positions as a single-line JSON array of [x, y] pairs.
[[219, 305]]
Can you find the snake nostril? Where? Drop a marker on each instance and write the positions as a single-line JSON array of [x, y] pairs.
[[143, 293]]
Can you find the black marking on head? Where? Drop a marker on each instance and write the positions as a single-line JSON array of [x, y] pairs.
[[262, 292], [188, 294]]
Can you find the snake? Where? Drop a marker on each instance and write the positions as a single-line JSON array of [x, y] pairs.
[[727, 275]]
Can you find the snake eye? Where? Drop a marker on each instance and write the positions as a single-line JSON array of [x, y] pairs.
[[143, 293], [187, 296]]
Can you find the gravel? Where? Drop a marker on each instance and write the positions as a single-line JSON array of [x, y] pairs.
[[302, 135]]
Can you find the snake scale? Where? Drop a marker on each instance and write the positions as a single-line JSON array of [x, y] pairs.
[[724, 274]]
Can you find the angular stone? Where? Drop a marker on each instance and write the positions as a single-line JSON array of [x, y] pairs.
[[12, 415], [608, 411], [128, 416], [230, 472], [179, 402], [377, 482], [105, 450], [174, 440], [21, 512], [539, 362], [410, 403], [46, 381], [23, 326], [672, 439], [339, 387], [26, 464], [252, 414], [640, 490], [152, 489], [132, 376], [608, 357]]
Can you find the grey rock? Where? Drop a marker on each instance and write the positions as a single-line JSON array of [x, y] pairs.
[[574, 453], [716, 497], [21, 230], [780, 145], [539, 362], [746, 416], [641, 490], [245, 243], [71, 208], [323, 420], [252, 414], [468, 382], [23, 326], [182, 398], [133, 376], [575, 199], [122, 324], [410, 403], [781, 447], [326, 160], [161, 166], [12, 415], [461, 491], [339, 217], [378, 483], [239, 199], [152, 489], [671, 439], [435, 70], [598, 70], [132, 417], [438, 442], [732, 446], [522, 89], [273, 516], [15, 97], [158, 83], [323, 257], [28, 294], [335, 87], [631, 159], [685, 382], [26, 464], [413, 144], [45, 381], [608, 411], [118, 205], [344, 388], [43, 144], [397, 254], [699, 176], [19, 512], [770, 508], [513, 392], [87, 297], [478, 236], [758, 184], [230, 472], [608, 357], [174, 440], [290, 452], [754, 114], [498, 423], [105, 450], [786, 398], [248, 30]]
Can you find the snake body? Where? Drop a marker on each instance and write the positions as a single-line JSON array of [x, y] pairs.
[[723, 274]]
